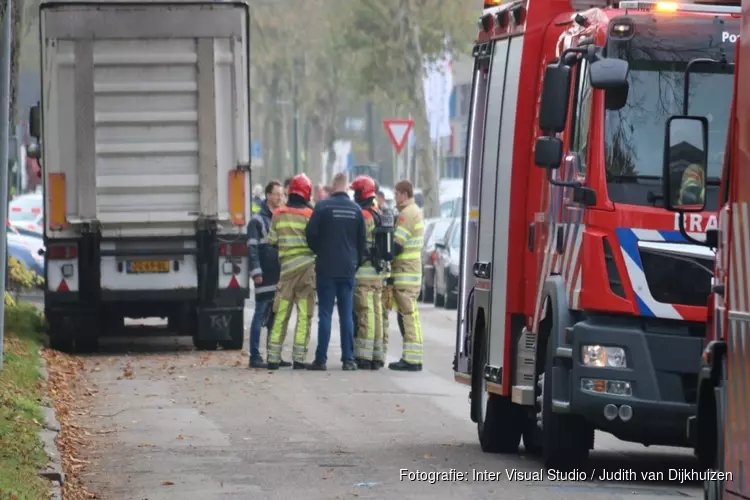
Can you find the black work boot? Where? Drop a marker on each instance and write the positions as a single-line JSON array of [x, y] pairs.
[[284, 364], [364, 364], [258, 363], [377, 364], [403, 366], [299, 366], [349, 366], [317, 366], [273, 366]]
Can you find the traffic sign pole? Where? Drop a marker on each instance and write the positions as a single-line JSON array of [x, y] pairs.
[[398, 132], [4, 132]]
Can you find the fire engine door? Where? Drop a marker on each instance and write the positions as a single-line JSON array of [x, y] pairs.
[[494, 206], [470, 219]]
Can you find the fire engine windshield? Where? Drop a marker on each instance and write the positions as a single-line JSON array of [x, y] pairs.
[[658, 55]]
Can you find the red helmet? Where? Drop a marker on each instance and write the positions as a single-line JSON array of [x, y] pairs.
[[364, 187], [301, 185]]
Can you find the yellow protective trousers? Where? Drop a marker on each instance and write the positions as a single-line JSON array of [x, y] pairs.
[[296, 287], [406, 303], [368, 309], [387, 298]]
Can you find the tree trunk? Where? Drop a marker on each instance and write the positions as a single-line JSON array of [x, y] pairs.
[[330, 137], [277, 161], [415, 92], [316, 145], [267, 143]]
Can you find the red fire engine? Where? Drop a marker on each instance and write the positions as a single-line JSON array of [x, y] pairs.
[[720, 430], [582, 303]]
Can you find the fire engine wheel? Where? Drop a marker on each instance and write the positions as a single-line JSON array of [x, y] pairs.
[[499, 420], [714, 490], [566, 439]]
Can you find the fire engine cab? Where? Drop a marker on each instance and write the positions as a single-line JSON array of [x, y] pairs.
[[582, 302]]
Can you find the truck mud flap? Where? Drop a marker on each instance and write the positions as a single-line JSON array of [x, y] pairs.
[[220, 323]]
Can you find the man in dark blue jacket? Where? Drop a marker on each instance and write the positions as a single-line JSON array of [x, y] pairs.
[[264, 267], [336, 233]]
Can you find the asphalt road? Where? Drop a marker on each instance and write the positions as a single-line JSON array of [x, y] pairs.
[[172, 423]]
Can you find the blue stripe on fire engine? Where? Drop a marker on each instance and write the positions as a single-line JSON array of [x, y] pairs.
[[629, 245]]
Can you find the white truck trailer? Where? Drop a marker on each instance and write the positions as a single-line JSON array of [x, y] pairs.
[[144, 127]]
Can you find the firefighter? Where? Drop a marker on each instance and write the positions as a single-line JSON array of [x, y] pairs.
[[692, 187], [297, 280], [406, 273], [368, 310]]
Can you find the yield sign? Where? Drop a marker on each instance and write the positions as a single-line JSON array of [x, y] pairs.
[[398, 131]]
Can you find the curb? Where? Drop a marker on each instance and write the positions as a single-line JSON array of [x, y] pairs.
[[50, 429]]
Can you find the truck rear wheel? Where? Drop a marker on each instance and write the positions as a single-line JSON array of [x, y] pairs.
[[60, 338], [204, 344], [566, 439], [238, 338], [87, 345]]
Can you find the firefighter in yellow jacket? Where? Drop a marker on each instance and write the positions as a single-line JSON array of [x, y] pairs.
[[297, 281], [406, 272], [692, 187], [368, 290]]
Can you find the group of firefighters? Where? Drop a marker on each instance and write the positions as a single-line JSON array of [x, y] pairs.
[[283, 269]]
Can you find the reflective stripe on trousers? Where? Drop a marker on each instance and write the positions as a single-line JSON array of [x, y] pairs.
[[407, 279], [294, 264], [295, 288], [368, 310], [406, 303]]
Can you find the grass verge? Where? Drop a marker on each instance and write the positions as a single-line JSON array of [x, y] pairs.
[[21, 390]]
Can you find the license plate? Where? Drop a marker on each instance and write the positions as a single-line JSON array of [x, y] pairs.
[[147, 266]]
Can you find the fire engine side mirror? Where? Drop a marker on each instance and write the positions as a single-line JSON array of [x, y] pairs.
[[608, 73], [548, 152], [685, 160], [35, 122], [553, 110]]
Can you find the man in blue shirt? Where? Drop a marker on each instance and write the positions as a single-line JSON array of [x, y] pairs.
[[336, 233], [264, 268]]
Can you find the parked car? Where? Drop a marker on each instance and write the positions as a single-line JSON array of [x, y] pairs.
[[27, 221], [30, 257], [26, 211], [447, 263], [29, 202], [435, 230], [451, 207]]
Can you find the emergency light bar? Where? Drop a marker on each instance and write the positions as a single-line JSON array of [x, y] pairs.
[[492, 3], [680, 7]]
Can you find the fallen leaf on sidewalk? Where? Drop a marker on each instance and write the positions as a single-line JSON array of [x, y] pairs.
[[167, 483], [427, 455], [146, 445], [180, 437], [401, 410], [70, 394]]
